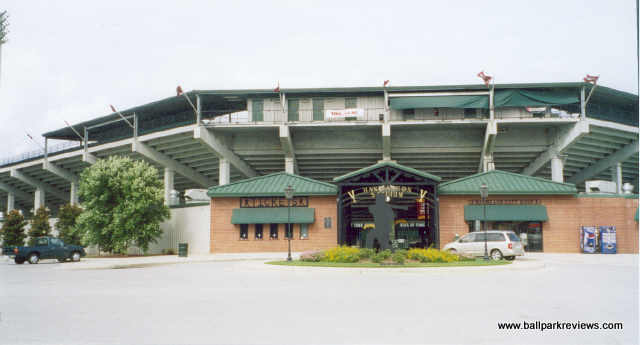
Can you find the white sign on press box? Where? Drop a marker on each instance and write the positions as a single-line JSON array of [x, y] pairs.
[[344, 114]]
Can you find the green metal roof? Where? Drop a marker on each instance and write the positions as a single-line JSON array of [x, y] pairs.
[[506, 213], [388, 164], [502, 182], [275, 215], [273, 185]]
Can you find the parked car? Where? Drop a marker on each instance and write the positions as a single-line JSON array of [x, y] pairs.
[[45, 248], [500, 244]]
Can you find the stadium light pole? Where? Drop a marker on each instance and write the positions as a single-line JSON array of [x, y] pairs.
[[3, 34], [484, 193], [288, 193]]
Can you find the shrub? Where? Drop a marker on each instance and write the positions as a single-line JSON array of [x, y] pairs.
[[385, 254], [431, 255], [398, 258], [39, 225], [377, 258], [342, 254], [366, 253], [13, 229], [312, 256]]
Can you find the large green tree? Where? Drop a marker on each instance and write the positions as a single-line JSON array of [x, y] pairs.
[[39, 225], [123, 204], [68, 232], [13, 229]]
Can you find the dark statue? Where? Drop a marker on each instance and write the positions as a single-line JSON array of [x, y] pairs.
[[384, 217]]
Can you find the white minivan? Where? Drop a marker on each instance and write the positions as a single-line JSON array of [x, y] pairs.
[[500, 244]]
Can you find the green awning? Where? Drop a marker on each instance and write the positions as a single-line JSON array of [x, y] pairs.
[[475, 101], [506, 213], [276, 215], [529, 98]]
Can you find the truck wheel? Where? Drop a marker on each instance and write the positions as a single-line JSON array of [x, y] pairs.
[[18, 260], [62, 260], [75, 257], [34, 258]]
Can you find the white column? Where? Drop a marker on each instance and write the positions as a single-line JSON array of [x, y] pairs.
[[224, 173], [169, 176], [289, 165], [11, 202], [38, 200], [557, 169], [73, 194], [616, 176]]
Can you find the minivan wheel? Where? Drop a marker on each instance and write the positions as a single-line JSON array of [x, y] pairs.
[[510, 258], [452, 251], [34, 258], [496, 254]]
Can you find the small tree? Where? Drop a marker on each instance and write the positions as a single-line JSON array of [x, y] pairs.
[[13, 229], [123, 204], [39, 225], [68, 232]]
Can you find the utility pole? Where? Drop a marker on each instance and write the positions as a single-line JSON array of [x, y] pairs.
[[3, 34]]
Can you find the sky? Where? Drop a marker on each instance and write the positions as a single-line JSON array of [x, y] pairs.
[[68, 60]]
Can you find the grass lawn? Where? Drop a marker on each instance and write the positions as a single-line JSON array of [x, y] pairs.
[[478, 262]]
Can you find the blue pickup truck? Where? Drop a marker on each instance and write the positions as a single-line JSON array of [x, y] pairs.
[[45, 248]]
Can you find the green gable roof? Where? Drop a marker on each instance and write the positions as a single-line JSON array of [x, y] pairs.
[[502, 182], [273, 185], [387, 164]]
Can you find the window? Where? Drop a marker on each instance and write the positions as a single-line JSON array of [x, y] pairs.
[[318, 109], [292, 110], [56, 242], [409, 114], [42, 242], [468, 238], [258, 231], [350, 102], [480, 236], [469, 113], [513, 237], [257, 110], [495, 238], [244, 231], [288, 231], [273, 231], [304, 231]]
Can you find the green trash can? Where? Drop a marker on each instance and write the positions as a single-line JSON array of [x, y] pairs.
[[183, 249]]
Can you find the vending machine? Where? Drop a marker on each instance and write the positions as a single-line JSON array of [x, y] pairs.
[[588, 239], [608, 239]]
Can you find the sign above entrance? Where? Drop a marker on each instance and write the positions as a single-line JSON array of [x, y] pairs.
[[507, 202], [344, 114], [298, 201]]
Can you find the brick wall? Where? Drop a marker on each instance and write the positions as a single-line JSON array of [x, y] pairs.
[[560, 234], [225, 237]]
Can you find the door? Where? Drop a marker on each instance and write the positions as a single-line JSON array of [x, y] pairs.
[[466, 243], [57, 249], [43, 247], [534, 237], [478, 244]]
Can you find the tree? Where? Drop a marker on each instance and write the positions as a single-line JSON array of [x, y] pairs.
[[13, 229], [123, 204], [39, 225], [68, 232]]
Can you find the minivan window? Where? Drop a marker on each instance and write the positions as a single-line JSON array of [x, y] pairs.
[[468, 238], [495, 237], [513, 237], [480, 237]]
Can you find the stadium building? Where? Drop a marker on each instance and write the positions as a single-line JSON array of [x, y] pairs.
[[554, 156]]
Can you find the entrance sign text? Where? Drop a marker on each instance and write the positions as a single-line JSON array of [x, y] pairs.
[[344, 114], [298, 201], [506, 202]]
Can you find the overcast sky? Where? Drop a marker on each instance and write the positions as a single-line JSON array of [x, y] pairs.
[[68, 60]]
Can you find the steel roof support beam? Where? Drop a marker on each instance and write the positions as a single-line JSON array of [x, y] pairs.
[[486, 157], [14, 191], [167, 162], [290, 163], [65, 174], [386, 141], [223, 151], [605, 163], [562, 141], [40, 186]]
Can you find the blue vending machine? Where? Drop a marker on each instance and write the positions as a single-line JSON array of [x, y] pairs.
[[608, 239], [588, 239]]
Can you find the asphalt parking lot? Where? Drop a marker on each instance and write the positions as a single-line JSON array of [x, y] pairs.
[[246, 301]]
